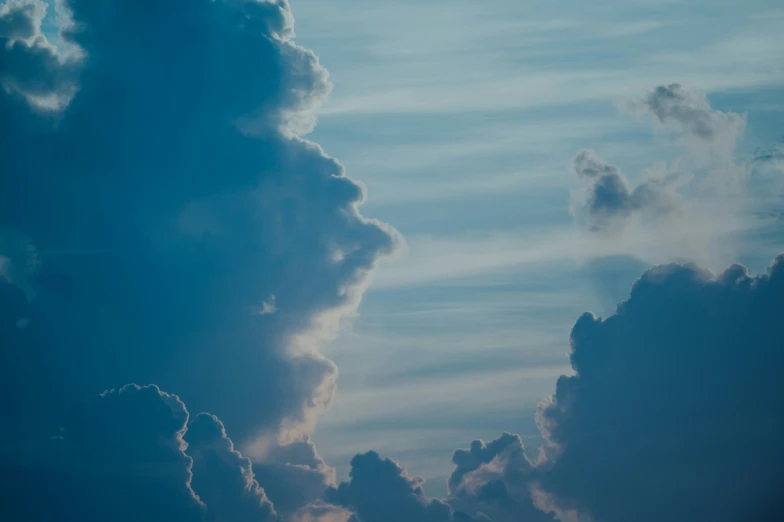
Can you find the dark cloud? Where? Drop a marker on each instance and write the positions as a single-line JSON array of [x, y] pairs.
[[494, 479], [179, 231], [120, 456], [381, 491], [691, 111], [293, 475], [223, 478], [674, 411], [176, 178], [132, 454], [608, 201]]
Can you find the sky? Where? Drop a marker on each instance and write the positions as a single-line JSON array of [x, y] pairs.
[[381, 261], [461, 119]]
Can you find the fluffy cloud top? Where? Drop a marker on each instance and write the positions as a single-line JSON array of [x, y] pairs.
[[495, 479], [380, 490]]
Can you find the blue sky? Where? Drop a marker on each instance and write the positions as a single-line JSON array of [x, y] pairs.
[[245, 261], [461, 119]]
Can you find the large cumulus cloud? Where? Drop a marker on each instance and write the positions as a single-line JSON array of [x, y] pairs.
[[170, 200], [177, 229], [674, 411]]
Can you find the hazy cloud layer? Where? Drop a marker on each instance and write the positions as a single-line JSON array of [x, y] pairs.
[[707, 180], [690, 110]]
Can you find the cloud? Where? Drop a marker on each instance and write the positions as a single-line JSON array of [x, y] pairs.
[[161, 189], [177, 167], [769, 158], [770, 154], [120, 456], [607, 201], [707, 170], [673, 412], [690, 111], [293, 476], [19, 19], [495, 479], [322, 512], [381, 491], [706, 189], [224, 478], [133, 454]]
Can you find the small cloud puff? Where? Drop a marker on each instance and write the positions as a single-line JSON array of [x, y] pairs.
[[607, 201], [691, 113], [381, 491]]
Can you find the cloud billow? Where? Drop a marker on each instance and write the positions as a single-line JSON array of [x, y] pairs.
[[674, 409], [160, 176], [380, 490], [495, 479]]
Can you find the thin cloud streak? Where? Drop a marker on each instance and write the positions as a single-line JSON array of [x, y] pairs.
[[433, 259]]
